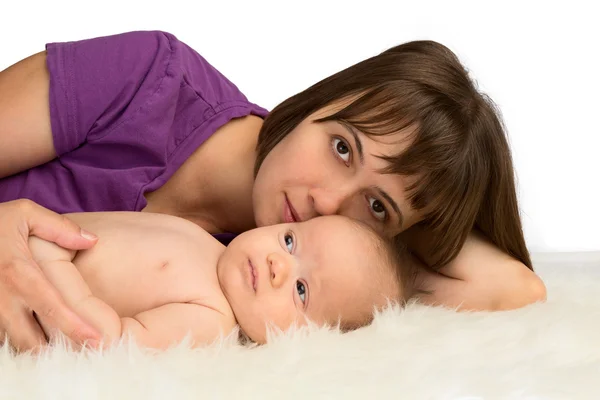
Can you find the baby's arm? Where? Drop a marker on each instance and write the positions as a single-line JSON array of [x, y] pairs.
[[56, 264], [164, 326]]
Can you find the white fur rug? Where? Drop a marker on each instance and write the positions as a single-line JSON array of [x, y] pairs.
[[544, 351]]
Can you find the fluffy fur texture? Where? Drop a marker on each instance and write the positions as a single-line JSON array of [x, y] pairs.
[[544, 351]]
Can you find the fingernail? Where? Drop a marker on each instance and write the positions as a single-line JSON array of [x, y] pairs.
[[88, 235], [93, 344]]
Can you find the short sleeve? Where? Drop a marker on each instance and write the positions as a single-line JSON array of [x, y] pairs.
[[96, 83]]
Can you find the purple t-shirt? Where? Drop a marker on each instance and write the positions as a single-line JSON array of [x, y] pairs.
[[126, 111]]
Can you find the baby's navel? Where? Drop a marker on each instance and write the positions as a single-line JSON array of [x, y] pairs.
[[163, 266]]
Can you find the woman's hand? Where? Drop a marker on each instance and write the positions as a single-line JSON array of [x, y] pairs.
[[24, 290]]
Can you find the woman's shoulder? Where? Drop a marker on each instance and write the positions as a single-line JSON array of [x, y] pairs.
[[192, 71], [140, 62]]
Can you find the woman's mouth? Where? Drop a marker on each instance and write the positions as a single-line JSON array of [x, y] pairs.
[[289, 214]]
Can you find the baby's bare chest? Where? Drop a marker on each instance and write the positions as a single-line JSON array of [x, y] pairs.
[[138, 268]]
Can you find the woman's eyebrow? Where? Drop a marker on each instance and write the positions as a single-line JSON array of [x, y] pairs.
[[357, 142]]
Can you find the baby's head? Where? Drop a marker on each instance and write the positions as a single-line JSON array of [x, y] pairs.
[[328, 270]]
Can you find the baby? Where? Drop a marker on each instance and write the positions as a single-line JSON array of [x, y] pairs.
[[159, 278]]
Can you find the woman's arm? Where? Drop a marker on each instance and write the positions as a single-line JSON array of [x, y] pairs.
[[25, 134], [482, 277], [76, 92]]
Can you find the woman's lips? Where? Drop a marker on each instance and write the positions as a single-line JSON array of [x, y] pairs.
[[289, 214]]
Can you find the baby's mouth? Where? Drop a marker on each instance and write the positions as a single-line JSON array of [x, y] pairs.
[[253, 275]]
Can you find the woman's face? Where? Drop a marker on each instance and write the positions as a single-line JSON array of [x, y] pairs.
[[325, 168]]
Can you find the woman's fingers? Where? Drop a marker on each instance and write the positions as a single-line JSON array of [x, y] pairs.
[[47, 302], [54, 227], [23, 331], [17, 324]]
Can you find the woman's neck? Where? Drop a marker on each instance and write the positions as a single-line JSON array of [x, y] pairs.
[[214, 186]]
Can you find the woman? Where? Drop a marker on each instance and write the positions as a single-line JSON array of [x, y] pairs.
[[139, 121]]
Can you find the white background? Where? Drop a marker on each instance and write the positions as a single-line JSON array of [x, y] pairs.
[[539, 61]]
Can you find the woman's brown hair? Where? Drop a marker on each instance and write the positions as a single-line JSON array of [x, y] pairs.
[[459, 152]]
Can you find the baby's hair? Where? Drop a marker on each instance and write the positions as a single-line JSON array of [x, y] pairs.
[[397, 257]]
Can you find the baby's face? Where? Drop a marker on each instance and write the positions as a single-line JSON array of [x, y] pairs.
[[325, 269]]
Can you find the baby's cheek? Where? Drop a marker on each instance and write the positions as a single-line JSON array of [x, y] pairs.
[[252, 323], [302, 320], [283, 322]]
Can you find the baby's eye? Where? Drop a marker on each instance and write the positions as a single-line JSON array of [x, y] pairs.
[[289, 241], [377, 209], [301, 291], [342, 149]]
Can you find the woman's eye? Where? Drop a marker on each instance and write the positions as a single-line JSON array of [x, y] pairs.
[[289, 241], [342, 149], [377, 208], [301, 291]]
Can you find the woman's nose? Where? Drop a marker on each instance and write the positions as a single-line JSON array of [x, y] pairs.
[[278, 269], [327, 201]]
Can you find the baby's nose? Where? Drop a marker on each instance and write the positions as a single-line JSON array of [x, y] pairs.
[[278, 269]]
